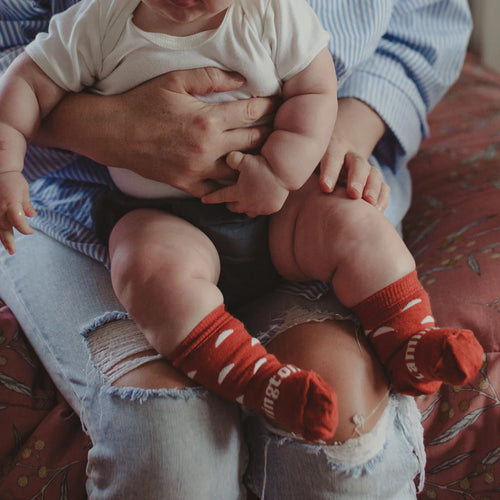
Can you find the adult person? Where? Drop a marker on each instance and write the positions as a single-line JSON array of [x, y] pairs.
[[184, 433]]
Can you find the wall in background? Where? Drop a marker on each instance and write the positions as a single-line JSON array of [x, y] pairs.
[[485, 39]]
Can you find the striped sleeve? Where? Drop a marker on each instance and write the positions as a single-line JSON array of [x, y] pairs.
[[63, 196], [20, 20], [402, 57], [355, 27]]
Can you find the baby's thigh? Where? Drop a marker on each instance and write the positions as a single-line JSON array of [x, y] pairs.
[[308, 237], [152, 242]]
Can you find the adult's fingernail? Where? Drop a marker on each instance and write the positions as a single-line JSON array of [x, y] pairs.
[[370, 195], [328, 183], [356, 186], [238, 78]]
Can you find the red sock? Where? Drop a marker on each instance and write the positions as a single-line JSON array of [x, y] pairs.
[[221, 355], [419, 357]]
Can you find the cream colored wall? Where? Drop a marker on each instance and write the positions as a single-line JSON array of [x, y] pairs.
[[485, 39]]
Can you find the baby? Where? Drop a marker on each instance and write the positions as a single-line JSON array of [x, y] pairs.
[[173, 257]]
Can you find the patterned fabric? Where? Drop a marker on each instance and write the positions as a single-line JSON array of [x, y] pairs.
[[43, 450], [453, 229]]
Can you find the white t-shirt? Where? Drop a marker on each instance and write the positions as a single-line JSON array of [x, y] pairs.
[[95, 45]]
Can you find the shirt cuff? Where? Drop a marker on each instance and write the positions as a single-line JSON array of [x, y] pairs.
[[394, 100]]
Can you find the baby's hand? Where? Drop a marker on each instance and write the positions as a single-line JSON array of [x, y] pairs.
[[342, 165], [256, 192], [15, 206]]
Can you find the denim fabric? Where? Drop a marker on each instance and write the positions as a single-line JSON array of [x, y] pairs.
[[371, 467], [282, 467], [186, 444], [164, 444]]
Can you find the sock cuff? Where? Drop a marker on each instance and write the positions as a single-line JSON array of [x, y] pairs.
[[209, 325], [390, 299]]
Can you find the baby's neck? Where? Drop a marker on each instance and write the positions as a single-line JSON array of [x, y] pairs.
[[147, 20]]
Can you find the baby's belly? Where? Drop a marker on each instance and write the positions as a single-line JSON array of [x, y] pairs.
[[136, 185]]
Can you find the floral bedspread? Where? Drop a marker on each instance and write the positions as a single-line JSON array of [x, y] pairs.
[[453, 229]]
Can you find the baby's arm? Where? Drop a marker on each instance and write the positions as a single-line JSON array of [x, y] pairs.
[[302, 129], [26, 96]]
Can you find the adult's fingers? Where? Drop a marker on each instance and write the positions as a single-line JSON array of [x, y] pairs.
[[224, 195], [331, 167], [219, 171], [203, 81], [358, 170], [237, 114], [202, 188], [373, 186], [245, 139], [384, 197]]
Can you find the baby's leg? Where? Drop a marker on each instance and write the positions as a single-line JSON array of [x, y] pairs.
[[352, 245], [165, 272]]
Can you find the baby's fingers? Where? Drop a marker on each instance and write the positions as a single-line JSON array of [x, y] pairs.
[[7, 239], [235, 207], [17, 218], [223, 195], [235, 159], [29, 210]]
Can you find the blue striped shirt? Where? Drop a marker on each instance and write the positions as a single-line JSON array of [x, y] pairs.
[[398, 56]]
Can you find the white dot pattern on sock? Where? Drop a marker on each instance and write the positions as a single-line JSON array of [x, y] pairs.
[[258, 364], [411, 304], [412, 342], [381, 331], [223, 336], [224, 372]]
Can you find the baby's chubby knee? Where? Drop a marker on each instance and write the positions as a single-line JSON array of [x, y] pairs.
[[315, 232], [147, 246], [345, 219]]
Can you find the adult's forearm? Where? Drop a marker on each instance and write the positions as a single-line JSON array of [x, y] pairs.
[[159, 130], [82, 123], [413, 66], [360, 125]]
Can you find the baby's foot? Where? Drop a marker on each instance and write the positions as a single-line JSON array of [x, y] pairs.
[[302, 402], [433, 356], [221, 355]]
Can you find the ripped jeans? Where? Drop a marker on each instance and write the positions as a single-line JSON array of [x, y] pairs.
[[186, 444]]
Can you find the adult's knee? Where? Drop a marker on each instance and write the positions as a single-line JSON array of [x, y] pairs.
[[346, 363], [164, 444]]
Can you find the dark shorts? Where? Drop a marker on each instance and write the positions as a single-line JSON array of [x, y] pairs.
[[242, 242]]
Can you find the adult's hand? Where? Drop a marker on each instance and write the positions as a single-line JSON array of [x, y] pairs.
[[342, 164], [161, 130], [357, 130]]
